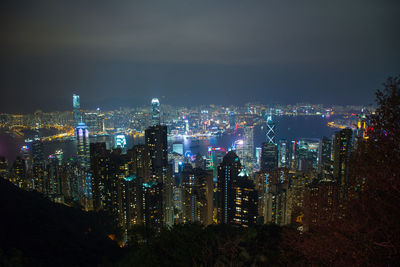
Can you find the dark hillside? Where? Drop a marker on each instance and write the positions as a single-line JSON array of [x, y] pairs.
[[36, 231]]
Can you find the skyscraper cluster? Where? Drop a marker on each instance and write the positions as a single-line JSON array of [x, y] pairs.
[[282, 181]]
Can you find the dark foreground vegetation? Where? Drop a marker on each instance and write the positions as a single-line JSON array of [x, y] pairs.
[[37, 232], [364, 231]]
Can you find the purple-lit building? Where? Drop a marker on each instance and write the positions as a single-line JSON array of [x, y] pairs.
[[83, 145]]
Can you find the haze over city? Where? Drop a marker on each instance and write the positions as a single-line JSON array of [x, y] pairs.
[[194, 52]]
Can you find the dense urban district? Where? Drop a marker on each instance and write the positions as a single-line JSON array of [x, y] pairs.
[[134, 186]]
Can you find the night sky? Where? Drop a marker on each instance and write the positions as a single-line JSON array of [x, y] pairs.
[[123, 53]]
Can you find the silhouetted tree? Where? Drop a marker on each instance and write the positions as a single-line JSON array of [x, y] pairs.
[[367, 228]]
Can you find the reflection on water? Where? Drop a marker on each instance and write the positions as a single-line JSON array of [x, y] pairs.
[[290, 128]]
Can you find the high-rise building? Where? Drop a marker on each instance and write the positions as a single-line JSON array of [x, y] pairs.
[[236, 195], [321, 202], [76, 104], [361, 131], [37, 151], [83, 145], [232, 120], [283, 160], [152, 205], [215, 157], [91, 121], [38, 165], [3, 167], [277, 197], [228, 171], [258, 157], [109, 168], [269, 156], [26, 155], [197, 195], [248, 147], [156, 141], [341, 154], [53, 179], [139, 162], [177, 148], [307, 154], [245, 201], [325, 156], [155, 112], [270, 129], [100, 122], [120, 141], [59, 155], [129, 201], [101, 169], [18, 173], [260, 182]]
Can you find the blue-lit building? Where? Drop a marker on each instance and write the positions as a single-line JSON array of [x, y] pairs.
[[271, 128], [83, 145], [120, 141], [155, 112], [76, 104]]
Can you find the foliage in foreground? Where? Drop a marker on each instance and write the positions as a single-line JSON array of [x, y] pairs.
[[195, 245], [368, 230]]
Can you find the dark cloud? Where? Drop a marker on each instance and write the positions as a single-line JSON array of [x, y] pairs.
[[123, 52]]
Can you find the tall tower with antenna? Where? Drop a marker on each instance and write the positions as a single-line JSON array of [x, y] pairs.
[[271, 128]]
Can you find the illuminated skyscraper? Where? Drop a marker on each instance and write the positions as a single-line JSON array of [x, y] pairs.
[[3, 167], [120, 141], [76, 104], [324, 156], [156, 141], [155, 112], [236, 196], [140, 163], [177, 148], [270, 130], [59, 155], [269, 156], [232, 120], [258, 157], [52, 182], [248, 155], [269, 149], [228, 171], [283, 160], [26, 155], [83, 145], [307, 154], [197, 195], [152, 205], [101, 169], [277, 198], [38, 165], [91, 120], [109, 170], [245, 201], [260, 183], [215, 157], [342, 148], [361, 131]]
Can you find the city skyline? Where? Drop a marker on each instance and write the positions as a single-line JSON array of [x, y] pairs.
[[199, 133]]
